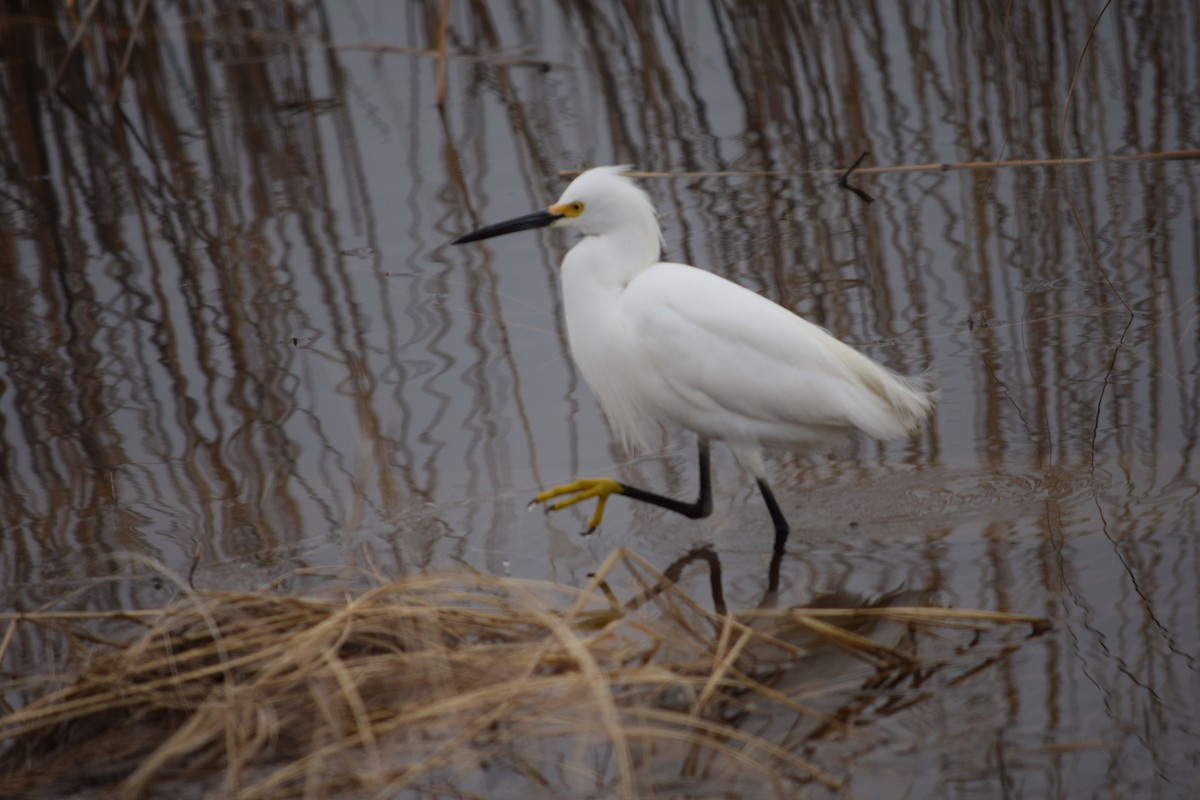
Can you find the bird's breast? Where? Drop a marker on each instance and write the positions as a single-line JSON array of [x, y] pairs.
[[606, 352]]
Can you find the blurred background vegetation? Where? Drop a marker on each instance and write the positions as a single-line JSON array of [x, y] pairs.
[[233, 340]]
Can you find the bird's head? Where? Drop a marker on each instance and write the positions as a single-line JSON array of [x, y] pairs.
[[600, 201]]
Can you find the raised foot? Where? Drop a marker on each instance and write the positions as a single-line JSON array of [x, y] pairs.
[[577, 492]]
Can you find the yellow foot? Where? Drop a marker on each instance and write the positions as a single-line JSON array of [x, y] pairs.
[[578, 491]]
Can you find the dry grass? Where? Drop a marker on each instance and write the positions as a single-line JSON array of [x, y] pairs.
[[446, 685]]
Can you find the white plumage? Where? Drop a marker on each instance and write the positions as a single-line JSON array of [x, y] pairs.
[[664, 342]]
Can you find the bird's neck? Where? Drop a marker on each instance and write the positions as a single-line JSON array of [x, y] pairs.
[[612, 260]]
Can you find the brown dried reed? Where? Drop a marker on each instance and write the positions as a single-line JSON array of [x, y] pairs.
[[443, 685]]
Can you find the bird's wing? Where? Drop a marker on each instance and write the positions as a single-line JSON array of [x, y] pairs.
[[729, 356]]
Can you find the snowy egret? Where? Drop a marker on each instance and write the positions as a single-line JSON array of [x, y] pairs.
[[662, 342]]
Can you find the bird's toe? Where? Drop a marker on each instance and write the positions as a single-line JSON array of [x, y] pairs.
[[576, 492]]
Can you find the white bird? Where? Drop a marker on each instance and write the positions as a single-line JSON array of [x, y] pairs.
[[662, 342]]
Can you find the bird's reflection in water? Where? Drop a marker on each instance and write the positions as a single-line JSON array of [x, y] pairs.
[[837, 652], [707, 554]]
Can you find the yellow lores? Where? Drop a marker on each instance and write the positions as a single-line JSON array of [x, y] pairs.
[[668, 343], [567, 209]]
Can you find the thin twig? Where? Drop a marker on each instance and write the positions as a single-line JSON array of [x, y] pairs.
[[1170, 155], [441, 62], [75, 40], [844, 182], [1062, 133], [128, 54], [8, 635], [494, 59]]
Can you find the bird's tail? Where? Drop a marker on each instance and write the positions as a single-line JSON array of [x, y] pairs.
[[912, 398], [907, 401]]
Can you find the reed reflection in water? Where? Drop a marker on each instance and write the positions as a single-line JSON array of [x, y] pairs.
[[234, 340]]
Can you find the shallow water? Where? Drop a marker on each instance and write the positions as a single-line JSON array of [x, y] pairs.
[[237, 343]]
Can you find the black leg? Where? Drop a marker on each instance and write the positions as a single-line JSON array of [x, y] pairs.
[[771, 596], [781, 525], [602, 488], [697, 510]]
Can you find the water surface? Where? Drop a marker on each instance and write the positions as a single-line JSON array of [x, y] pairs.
[[237, 343]]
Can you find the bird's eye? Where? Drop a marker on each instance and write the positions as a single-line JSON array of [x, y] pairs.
[[576, 208]]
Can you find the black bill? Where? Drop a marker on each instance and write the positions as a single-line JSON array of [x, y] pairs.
[[538, 219]]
